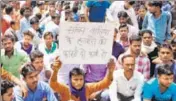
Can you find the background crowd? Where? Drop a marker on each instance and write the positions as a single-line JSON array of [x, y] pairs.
[[142, 67]]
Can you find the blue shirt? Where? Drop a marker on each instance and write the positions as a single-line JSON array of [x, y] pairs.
[[42, 91], [151, 91], [24, 26], [97, 10], [159, 26]]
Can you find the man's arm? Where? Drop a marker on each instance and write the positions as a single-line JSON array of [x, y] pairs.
[[168, 35], [93, 87], [62, 89], [145, 22], [146, 69], [10, 77]]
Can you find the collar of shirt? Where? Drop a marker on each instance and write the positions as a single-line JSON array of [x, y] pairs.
[[3, 53]]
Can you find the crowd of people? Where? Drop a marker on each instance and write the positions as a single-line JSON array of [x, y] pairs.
[[142, 66]]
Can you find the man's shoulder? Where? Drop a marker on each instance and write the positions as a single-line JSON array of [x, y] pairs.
[[152, 82]]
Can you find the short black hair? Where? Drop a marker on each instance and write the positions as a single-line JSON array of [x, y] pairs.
[[155, 3], [27, 69], [122, 14], [47, 33], [126, 56], [12, 23], [165, 45], [27, 8], [5, 85], [131, 2], [134, 38], [35, 54], [8, 9], [56, 16], [76, 71], [122, 26], [8, 36], [28, 33], [75, 9], [165, 69], [142, 32], [22, 11], [38, 15], [34, 20]]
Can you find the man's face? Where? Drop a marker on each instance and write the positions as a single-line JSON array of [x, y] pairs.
[[136, 47], [8, 96], [129, 64], [8, 45], [38, 64], [152, 9], [27, 40], [77, 81], [123, 32], [27, 13], [165, 80], [147, 39], [32, 79], [173, 47], [165, 54], [48, 39], [141, 12], [36, 25], [122, 20]]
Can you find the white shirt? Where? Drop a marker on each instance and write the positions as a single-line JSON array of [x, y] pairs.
[[116, 7], [36, 39], [52, 27], [120, 84]]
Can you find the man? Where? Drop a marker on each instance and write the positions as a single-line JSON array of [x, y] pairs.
[[37, 90], [173, 12], [12, 58], [78, 90], [166, 57], [26, 43], [53, 26], [127, 83], [7, 91], [96, 10], [25, 22], [9, 13], [123, 38], [35, 31], [7, 76], [161, 88], [37, 60], [159, 22], [118, 6], [12, 30], [48, 47], [142, 63], [173, 45], [123, 19], [149, 48]]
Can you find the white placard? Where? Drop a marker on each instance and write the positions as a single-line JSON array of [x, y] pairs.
[[85, 43]]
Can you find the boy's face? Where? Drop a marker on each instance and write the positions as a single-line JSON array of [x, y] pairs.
[[165, 80], [27, 40], [48, 39], [8, 96], [77, 81], [123, 32]]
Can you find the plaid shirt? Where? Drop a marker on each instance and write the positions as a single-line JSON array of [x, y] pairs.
[[142, 64]]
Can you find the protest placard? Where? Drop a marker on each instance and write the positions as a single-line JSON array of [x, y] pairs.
[[85, 43]]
